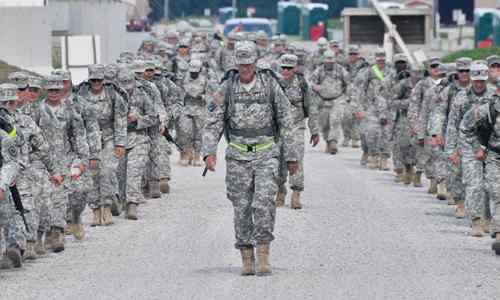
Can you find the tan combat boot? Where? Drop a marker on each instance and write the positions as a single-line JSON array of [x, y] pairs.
[[432, 187], [248, 258], [263, 267], [190, 157], [184, 160], [372, 162], [30, 252], [384, 164], [355, 144], [486, 224], [442, 192], [460, 210], [409, 175], [78, 231], [417, 179], [296, 200], [164, 186], [14, 255], [49, 239], [280, 197], [364, 159], [107, 217], [97, 217], [477, 228], [451, 200], [154, 189], [496, 244], [40, 245], [58, 243], [68, 229], [197, 160], [400, 175], [333, 148], [132, 211]]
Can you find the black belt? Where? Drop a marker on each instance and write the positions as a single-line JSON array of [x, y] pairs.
[[252, 132]]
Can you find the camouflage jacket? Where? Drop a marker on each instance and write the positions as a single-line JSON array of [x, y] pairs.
[[195, 99], [9, 167], [416, 101], [333, 83], [141, 104], [431, 98]]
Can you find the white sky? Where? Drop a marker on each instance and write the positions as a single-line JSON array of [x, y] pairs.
[[22, 2]]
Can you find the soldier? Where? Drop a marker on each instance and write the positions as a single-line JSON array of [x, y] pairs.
[[316, 57], [172, 37], [263, 45], [416, 130], [334, 45], [476, 202], [225, 57], [481, 137], [8, 172], [494, 69], [251, 108], [181, 60], [329, 81], [302, 107], [64, 130], [141, 116]]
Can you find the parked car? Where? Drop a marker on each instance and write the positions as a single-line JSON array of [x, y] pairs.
[[249, 25], [138, 25]]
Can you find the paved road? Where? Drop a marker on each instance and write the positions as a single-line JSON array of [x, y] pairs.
[[360, 236]]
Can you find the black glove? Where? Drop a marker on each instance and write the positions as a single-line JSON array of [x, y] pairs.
[[383, 122]]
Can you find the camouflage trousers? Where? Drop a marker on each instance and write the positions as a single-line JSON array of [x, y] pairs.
[[105, 182], [403, 150], [492, 175], [423, 157], [42, 193], [374, 137], [131, 171], [165, 152], [78, 193], [189, 132], [474, 183], [296, 181], [454, 180], [59, 207], [349, 123], [252, 188], [25, 185], [8, 226], [439, 160], [153, 161], [330, 118]]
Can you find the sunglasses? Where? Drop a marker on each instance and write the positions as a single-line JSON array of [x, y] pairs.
[[22, 89], [96, 80], [287, 68], [463, 71], [33, 90], [433, 66], [53, 91]]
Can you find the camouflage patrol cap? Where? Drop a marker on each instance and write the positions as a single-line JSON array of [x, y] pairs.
[[329, 57], [379, 53], [451, 68], [54, 82], [171, 34], [195, 65], [493, 60], [20, 79], [463, 63], [400, 57], [111, 71], [138, 66], [96, 72], [288, 60], [127, 54], [283, 39], [334, 43], [35, 82], [126, 78], [434, 61], [245, 53], [65, 74], [185, 42], [149, 65], [479, 71], [261, 35], [8, 92], [322, 42], [353, 49]]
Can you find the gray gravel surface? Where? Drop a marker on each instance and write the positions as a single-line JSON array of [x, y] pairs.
[[359, 236]]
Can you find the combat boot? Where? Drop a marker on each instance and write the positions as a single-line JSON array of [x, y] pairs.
[[372, 162], [154, 189], [58, 242], [364, 159], [486, 224], [460, 210], [296, 200], [190, 157], [345, 143], [263, 267], [280, 197], [384, 164], [14, 256], [477, 228], [496, 244], [30, 253], [451, 200], [248, 258], [333, 149], [97, 218], [432, 187], [197, 160], [107, 217], [184, 160], [78, 231], [164, 186], [441, 191], [355, 144], [400, 175], [40, 246], [132, 211], [409, 174], [49, 239], [68, 229], [417, 179]]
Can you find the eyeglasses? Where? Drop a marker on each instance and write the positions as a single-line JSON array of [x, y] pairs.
[[53, 91], [287, 68], [463, 71], [433, 66], [96, 80]]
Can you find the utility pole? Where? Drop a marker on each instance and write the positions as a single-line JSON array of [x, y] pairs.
[[234, 9], [166, 10]]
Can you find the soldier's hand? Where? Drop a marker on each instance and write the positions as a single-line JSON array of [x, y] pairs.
[[383, 122], [293, 167], [211, 162], [360, 115], [162, 129], [2, 195], [93, 164], [421, 142], [314, 140], [132, 117], [316, 87], [57, 179], [82, 168], [455, 158], [119, 151], [481, 154]]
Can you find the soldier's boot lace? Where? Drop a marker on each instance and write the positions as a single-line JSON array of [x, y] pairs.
[[477, 228], [97, 217], [280, 197], [296, 200], [432, 187], [154, 189], [30, 253], [248, 258], [164, 186], [417, 179], [441, 191], [263, 267], [58, 240]]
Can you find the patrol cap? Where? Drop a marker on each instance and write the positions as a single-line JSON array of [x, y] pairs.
[[185, 42], [96, 72], [379, 53], [479, 71], [65, 74], [261, 35], [127, 54], [288, 60], [54, 82], [434, 61], [322, 42], [334, 43], [291, 49], [463, 63], [492, 60], [126, 78], [149, 65], [20, 79], [245, 53], [138, 66], [111, 71], [283, 39], [171, 34], [329, 57], [400, 57], [451, 68], [195, 66], [8, 92], [353, 49], [35, 82]]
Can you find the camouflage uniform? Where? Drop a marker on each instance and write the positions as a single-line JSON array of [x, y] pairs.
[[250, 115]]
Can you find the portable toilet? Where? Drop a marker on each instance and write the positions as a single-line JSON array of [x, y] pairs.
[[312, 15], [289, 14], [486, 23]]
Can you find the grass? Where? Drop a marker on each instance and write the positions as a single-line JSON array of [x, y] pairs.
[[475, 54]]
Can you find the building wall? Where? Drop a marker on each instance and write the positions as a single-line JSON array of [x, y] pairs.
[[486, 3]]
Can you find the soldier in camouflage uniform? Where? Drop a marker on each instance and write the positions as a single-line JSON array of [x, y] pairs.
[[476, 202], [263, 46], [63, 128], [251, 109], [141, 116], [316, 57], [225, 58], [181, 60], [8, 173], [329, 82], [414, 118], [493, 69], [480, 135], [334, 45], [303, 106]]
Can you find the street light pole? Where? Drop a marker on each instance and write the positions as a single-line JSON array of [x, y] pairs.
[[234, 9], [166, 8]]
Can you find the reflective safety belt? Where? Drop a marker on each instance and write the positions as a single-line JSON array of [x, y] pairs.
[[13, 133], [378, 72], [252, 148]]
